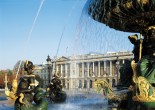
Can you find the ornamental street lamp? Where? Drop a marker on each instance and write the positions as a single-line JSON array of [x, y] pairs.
[[49, 68]]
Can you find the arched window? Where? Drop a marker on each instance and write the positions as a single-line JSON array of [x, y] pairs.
[[63, 83], [113, 82], [85, 83], [91, 84], [80, 84], [68, 85]]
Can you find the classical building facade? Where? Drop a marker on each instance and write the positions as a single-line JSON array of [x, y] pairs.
[[43, 72], [81, 71]]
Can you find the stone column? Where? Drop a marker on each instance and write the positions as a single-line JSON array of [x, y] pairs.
[[99, 69], [105, 67], [82, 69], [118, 73], [77, 83], [53, 69], [71, 72], [56, 68], [93, 71], [87, 69], [82, 83], [93, 67], [66, 71], [61, 70], [110, 68], [77, 69], [71, 83]]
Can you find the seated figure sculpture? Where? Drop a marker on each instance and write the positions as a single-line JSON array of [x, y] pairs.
[[141, 91], [146, 66], [26, 89], [55, 90], [134, 40]]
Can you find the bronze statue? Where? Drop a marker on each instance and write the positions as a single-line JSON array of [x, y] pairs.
[[56, 94], [26, 89], [11, 94], [136, 16], [146, 67], [136, 42]]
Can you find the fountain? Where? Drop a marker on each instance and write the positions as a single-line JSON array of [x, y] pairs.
[[11, 93], [56, 94], [25, 90], [123, 15], [137, 16], [30, 96], [27, 87]]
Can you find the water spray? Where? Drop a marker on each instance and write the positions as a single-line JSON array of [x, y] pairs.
[[30, 33], [70, 13]]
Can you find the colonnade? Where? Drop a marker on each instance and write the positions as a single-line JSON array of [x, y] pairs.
[[83, 74], [88, 69], [81, 71]]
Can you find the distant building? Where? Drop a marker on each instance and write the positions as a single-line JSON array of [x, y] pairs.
[[42, 71], [80, 71]]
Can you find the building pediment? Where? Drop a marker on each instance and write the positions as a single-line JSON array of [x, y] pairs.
[[63, 59]]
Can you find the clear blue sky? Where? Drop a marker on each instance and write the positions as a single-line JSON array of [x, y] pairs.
[[17, 17]]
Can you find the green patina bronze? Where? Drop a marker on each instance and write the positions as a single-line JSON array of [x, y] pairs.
[[136, 16], [124, 15], [126, 69], [56, 94], [40, 102], [147, 68], [26, 89]]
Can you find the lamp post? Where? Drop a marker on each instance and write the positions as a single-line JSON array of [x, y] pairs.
[[49, 68]]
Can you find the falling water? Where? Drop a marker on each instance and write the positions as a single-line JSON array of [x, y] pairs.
[[29, 35], [76, 100], [92, 36], [66, 23]]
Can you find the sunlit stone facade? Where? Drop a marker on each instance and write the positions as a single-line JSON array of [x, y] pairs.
[[42, 71], [81, 71]]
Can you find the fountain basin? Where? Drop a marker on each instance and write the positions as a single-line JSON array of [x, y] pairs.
[[124, 15], [75, 101]]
